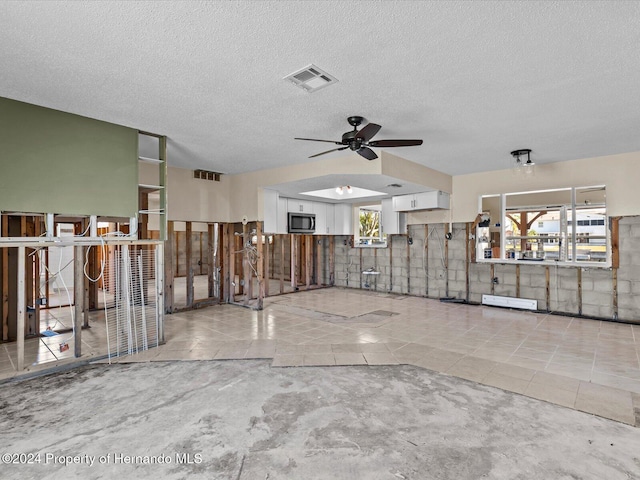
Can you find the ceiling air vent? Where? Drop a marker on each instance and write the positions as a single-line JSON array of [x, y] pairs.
[[311, 78]]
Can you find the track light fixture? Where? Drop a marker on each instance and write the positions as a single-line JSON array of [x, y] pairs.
[[340, 190]]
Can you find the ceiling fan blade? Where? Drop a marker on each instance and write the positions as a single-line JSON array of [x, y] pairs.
[[395, 143], [316, 140], [367, 133], [328, 151], [367, 153]]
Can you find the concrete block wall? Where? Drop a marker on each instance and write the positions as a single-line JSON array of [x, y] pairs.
[[533, 284], [597, 293], [479, 280], [436, 261], [629, 271], [418, 262], [457, 262], [423, 273]]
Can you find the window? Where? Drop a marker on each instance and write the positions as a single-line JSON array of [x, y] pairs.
[[570, 226], [370, 232]]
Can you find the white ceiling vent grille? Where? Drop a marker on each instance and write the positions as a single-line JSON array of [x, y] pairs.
[[311, 78]]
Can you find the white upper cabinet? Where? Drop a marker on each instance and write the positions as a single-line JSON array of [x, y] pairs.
[[393, 222], [283, 219], [270, 202], [403, 203], [343, 219], [299, 206], [320, 210], [330, 219], [421, 201]]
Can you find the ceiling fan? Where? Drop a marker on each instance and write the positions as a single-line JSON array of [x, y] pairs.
[[359, 140]]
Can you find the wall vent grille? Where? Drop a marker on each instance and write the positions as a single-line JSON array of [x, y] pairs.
[[206, 175]]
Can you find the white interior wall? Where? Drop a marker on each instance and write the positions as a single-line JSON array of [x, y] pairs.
[[619, 173]]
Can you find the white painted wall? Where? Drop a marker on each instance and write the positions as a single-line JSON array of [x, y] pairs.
[[620, 174], [234, 196]]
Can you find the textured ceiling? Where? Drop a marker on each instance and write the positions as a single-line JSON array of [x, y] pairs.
[[475, 80]]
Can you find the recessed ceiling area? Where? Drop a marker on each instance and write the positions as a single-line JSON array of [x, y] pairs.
[[475, 80], [369, 187], [343, 193]]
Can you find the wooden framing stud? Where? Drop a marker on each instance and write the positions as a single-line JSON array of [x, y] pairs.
[[78, 294], [170, 244], [22, 309], [332, 260], [210, 259], [281, 240], [189, 263], [260, 262], [615, 242], [266, 264], [246, 272]]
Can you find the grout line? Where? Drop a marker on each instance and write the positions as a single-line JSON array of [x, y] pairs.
[[552, 355], [8, 355]]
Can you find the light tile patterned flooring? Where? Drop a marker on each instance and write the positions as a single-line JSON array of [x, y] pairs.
[[588, 365]]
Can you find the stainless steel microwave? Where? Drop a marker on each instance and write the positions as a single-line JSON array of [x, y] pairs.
[[302, 222]]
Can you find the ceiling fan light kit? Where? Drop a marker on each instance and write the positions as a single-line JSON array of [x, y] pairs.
[[360, 142]]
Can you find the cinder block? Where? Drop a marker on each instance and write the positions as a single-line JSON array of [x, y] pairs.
[[505, 290], [597, 298], [624, 287], [534, 294]]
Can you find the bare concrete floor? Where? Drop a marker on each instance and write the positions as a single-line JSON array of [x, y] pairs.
[[247, 420]]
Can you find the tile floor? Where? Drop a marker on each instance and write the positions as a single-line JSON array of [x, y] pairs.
[[588, 365]]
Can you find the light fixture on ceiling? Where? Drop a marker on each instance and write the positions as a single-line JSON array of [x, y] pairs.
[[520, 164], [341, 190]]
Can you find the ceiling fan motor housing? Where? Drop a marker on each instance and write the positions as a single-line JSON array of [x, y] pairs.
[[359, 141], [348, 138]]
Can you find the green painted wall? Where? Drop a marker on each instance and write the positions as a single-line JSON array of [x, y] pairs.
[[57, 162]]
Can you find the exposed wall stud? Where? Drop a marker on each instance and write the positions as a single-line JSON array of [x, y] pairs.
[[579, 279], [615, 242], [294, 262], [547, 275], [426, 257], [189, 263], [246, 268], [467, 259], [260, 262], [22, 308], [78, 294], [492, 273], [5, 281], [614, 281], [281, 239], [168, 268], [332, 260], [211, 259], [266, 264], [308, 240]]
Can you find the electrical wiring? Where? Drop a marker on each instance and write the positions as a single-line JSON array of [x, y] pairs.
[[440, 244], [104, 251]]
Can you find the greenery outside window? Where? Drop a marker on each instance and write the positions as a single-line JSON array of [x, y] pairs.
[[370, 233]]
